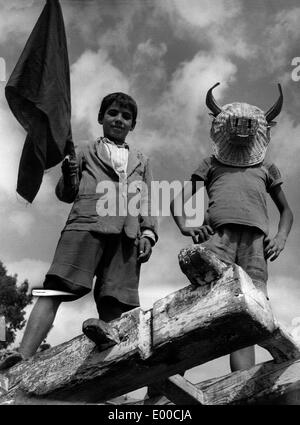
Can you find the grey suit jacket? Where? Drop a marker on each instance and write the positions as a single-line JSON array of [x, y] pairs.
[[90, 212]]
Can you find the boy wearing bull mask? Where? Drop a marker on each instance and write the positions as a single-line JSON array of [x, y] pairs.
[[237, 179]]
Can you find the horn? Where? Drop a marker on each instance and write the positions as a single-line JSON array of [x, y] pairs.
[[276, 108], [211, 103]]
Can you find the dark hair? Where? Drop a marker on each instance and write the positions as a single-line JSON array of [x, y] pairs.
[[123, 100]]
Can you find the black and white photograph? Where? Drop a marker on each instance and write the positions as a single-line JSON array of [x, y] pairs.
[[149, 205]]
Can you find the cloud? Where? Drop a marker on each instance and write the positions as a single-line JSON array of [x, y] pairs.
[[73, 13], [22, 222], [200, 13], [280, 37], [215, 25], [180, 119], [149, 74], [285, 146], [11, 136], [284, 293], [121, 18], [17, 17], [92, 77], [191, 81], [29, 269]]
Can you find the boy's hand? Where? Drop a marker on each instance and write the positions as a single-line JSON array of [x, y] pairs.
[[69, 168], [145, 250], [273, 246], [199, 234]]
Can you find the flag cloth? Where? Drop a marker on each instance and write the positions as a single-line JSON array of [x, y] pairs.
[[38, 93]]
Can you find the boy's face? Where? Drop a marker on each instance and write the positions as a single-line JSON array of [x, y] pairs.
[[117, 122]]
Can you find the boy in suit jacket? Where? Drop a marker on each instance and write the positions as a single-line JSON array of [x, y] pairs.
[[108, 243]]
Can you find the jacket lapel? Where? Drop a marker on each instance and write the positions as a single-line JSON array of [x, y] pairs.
[[133, 161]]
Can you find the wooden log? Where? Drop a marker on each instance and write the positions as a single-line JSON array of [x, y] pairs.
[[4, 384], [180, 391], [267, 383], [211, 319], [200, 265], [281, 345], [187, 328]]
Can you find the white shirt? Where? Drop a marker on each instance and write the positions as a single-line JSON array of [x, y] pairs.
[[118, 155]]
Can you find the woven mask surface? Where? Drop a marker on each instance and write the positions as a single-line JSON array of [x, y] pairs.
[[244, 120]]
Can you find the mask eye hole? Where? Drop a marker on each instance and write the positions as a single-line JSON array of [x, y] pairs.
[[236, 122], [249, 123]]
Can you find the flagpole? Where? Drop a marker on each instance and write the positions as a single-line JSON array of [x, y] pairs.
[[70, 155]]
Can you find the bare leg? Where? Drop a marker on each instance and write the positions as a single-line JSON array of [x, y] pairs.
[[39, 324], [242, 359]]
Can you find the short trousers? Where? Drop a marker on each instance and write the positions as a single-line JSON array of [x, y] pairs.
[[81, 255], [243, 245]]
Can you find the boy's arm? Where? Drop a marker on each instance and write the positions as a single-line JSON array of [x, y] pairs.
[[199, 234], [274, 246], [148, 217], [148, 221]]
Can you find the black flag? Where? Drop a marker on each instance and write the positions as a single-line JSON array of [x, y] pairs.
[[38, 93]]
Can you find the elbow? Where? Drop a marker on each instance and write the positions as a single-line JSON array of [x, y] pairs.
[[287, 210]]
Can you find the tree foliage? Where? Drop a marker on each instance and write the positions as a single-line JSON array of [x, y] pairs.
[[14, 298]]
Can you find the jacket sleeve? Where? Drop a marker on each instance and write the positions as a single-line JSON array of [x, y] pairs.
[[149, 207], [65, 190]]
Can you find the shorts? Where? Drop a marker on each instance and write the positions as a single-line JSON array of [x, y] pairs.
[[243, 245], [82, 255]]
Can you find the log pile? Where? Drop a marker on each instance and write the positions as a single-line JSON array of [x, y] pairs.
[[187, 328]]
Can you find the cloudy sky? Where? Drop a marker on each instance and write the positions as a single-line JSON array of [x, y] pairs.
[[166, 54]]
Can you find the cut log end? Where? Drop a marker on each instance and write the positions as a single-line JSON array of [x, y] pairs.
[[200, 265]]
